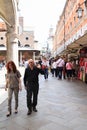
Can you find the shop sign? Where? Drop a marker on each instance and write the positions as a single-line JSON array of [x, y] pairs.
[[83, 52]]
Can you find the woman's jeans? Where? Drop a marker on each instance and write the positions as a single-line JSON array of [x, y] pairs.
[[10, 94], [46, 73]]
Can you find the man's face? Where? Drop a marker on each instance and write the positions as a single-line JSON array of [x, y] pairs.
[[31, 63]]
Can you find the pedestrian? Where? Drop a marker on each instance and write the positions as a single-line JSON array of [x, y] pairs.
[[74, 69], [31, 82], [69, 67], [40, 62], [45, 67], [13, 85], [60, 64], [26, 64], [64, 68], [53, 68]]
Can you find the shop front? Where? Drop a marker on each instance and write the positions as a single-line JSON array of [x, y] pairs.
[[82, 73], [26, 53]]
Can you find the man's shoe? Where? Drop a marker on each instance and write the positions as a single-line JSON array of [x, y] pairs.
[[29, 112], [16, 111], [34, 109]]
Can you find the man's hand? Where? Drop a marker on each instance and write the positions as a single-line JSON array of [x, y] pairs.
[[39, 66], [5, 88]]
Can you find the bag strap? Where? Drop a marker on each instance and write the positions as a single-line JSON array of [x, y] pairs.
[[59, 62]]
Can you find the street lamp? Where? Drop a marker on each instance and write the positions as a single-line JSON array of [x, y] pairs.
[[79, 11]]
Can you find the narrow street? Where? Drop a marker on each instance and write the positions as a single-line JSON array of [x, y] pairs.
[[62, 105]]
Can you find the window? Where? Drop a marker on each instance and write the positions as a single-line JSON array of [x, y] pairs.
[[1, 45], [19, 44], [74, 21], [27, 38], [1, 38], [70, 25], [27, 45]]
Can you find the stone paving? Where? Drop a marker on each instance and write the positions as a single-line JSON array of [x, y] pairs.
[[62, 105]]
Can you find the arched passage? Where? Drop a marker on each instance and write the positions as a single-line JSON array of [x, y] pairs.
[[8, 13]]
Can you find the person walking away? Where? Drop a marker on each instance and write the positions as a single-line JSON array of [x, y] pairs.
[[74, 69], [40, 62], [45, 67], [31, 82], [69, 67], [53, 66], [60, 64], [26, 64], [13, 85], [64, 68]]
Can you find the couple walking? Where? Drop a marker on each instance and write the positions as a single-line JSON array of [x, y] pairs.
[[31, 83]]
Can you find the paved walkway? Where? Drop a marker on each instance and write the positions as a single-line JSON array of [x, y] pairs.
[[62, 105]]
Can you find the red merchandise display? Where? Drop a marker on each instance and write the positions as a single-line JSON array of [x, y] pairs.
[[86, 71], [81, 69], [83, 64], [86, 67]]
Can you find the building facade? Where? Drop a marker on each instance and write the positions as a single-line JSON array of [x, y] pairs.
[[70, 37], [26, 43], [70, 28]]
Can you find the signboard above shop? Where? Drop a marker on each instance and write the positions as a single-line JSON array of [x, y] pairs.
[[83, 52]]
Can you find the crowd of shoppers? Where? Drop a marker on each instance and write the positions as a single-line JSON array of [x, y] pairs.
[[63, 68]]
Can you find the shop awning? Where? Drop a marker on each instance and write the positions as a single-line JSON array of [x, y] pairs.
[[79, 43]]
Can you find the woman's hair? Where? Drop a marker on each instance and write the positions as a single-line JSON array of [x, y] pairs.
[[13, 66]]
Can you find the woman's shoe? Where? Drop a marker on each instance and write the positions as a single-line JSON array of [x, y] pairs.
[[16, 111], [8, 114]]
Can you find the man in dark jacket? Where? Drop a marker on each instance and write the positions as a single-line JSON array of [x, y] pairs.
[[31, 82]]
